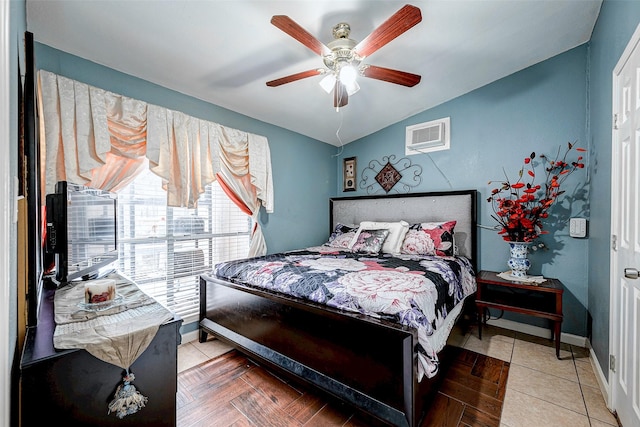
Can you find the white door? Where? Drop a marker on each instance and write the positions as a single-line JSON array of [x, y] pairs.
[[5, 214], [624, 380]]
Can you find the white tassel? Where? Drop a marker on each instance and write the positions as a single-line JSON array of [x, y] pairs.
[[127, 400]]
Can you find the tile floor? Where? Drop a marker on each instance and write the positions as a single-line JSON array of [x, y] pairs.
[[541, 390]]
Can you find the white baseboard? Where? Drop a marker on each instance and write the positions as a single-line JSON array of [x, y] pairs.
[[538, 331], [190, 336], [602, 379]]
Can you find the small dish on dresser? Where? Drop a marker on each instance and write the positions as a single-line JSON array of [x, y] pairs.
[[101, 306]]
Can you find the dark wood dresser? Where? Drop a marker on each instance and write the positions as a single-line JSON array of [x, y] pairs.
[[74, 388]]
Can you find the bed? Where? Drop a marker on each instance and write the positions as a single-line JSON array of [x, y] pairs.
[[379, 355]]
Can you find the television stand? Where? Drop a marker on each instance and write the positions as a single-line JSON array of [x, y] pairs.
[[74, 388]]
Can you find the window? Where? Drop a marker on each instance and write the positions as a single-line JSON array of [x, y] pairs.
[[165, 249]]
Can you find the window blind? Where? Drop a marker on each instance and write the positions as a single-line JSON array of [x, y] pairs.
[[165, 249]]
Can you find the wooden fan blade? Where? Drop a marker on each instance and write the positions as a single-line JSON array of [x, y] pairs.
[[293, 78], [391, 76], [290, 27], [397, 24], [340, 95]]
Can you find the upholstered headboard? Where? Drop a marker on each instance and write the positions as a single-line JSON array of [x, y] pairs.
[[414, 208]]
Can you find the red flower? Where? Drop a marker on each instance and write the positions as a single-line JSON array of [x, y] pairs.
[[517, 208]]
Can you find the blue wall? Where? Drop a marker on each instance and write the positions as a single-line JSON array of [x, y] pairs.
[[566, 98], [616, 24], [304, 172], [537, 109]]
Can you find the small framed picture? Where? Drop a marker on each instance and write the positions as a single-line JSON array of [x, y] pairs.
[[349, 172]]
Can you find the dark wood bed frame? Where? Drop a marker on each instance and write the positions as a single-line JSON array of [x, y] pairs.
[[367, 362]]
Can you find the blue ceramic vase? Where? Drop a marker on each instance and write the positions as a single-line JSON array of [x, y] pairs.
[[518, 261]]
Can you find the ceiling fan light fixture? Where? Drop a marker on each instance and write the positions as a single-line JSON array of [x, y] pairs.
[[348, 75], [328, 82], [352, 88]]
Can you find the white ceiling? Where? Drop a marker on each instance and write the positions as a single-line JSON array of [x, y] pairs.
[[224, 52]]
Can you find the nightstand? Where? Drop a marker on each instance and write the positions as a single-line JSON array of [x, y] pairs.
[[534, 299]]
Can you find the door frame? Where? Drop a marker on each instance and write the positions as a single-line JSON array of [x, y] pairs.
[[614, 272], [5, 215]]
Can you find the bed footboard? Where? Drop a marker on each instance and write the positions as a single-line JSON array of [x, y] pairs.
[[367, 363]]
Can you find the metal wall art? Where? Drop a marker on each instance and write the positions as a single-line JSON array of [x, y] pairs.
[[387, 175]]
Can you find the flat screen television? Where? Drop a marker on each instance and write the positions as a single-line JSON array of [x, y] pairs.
[[81, 231]]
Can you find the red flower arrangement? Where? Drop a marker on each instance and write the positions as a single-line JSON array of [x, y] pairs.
[[521, 206]]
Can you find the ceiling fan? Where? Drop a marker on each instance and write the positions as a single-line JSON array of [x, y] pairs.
[[343, 56]]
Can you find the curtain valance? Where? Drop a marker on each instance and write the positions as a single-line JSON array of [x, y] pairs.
[[94, 137]]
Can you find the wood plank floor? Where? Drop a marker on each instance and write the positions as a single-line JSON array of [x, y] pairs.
[[232, 390]]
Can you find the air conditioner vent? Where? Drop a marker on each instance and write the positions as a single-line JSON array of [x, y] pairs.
[[427, 137]]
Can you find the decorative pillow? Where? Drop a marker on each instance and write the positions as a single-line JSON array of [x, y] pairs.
[[342, 236], [397, 233], [370, 241], [430, 238]]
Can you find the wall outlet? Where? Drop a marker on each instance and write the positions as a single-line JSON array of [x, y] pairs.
[[578, 227]]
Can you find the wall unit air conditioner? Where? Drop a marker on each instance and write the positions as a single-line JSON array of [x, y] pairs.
[[427, 137]]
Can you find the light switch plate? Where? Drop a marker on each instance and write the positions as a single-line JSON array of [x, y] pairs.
[[578, 227]]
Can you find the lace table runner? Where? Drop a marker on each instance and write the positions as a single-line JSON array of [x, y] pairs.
[[527, 279], [117, 335]]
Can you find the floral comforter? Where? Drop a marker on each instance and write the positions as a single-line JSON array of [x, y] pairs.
[[420, 291]]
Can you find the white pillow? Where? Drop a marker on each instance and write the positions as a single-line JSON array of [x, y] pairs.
[[393, 242]]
